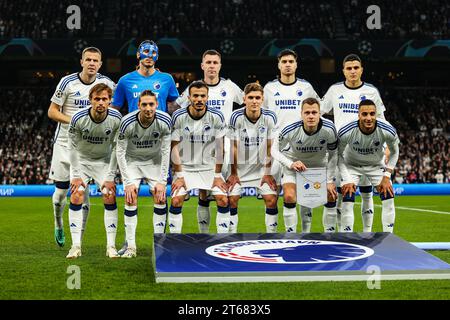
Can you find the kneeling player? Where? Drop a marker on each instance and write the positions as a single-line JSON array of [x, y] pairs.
[[143, 152], [92, 156], [251, 134], [197, 155], [361, 153], [308, 143]]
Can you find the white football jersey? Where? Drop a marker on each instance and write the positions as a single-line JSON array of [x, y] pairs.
[[220, 96], [286, 99], [72, 94], [359, 149], [90, 141], [198, 138], [144, 146], [343, 102], [252, 142]]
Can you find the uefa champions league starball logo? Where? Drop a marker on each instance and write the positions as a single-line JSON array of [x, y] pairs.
[[286, 251]]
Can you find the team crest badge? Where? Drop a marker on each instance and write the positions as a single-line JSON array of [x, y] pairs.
[[156, 86], [299, 93], [108, 131], [155, 134], [223, 93]]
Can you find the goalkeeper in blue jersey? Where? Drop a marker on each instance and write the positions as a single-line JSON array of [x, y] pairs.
[[146, 77]]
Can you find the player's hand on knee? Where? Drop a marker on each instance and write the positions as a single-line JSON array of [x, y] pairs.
[[220, 183], [131, 194], [232, 181], [331, 191], [77, 185], [178, 184], [349, 189], [270, 180], [385, 187], [108, 189], [298, 166], [160, 193]]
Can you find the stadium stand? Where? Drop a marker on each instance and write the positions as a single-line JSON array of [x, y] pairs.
[[338, 19]]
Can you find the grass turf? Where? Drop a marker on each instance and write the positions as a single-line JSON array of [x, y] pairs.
[[33, 267]]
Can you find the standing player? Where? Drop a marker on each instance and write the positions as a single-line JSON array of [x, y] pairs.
[[223, 95], [197, 157], [72, 94], [308, 143], [342, 100], [285, 94], [92, 135], [146, 77], [361, 153], [251, 134], [143, 152]]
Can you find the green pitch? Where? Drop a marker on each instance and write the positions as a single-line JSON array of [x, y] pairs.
[[33, 267]]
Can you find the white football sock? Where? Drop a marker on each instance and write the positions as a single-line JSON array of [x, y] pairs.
[[59, 199], [159, 218], [75, 222], [367, 211], [111, 219], [130, 219], [306, 215], [388, 215], [290, 219], [347, 217]]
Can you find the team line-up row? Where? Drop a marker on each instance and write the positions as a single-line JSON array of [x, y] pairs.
[[277, 132]]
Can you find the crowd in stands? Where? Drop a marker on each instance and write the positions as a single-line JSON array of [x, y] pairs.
[[410, 19], [422, 122], [46, 19], [236, 18], [25, 138]]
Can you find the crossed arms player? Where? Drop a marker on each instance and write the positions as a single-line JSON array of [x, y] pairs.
[[197, 157], [143, 152], [92, 154], [308, 143], [251, 132], [71, 94], [361, 154]]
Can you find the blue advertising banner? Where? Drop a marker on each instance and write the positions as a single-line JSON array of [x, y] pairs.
[[291, 257], [47, 190]]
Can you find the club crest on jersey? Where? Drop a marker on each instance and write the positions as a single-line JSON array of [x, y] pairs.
[[322, 141], [289, 251], [223, 93], [262, 129], [362, 97], [207, 127], [377, 143], [108, 131], [156, 86], [155, 134], [299, 93]]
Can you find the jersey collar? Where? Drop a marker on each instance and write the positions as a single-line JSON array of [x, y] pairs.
[[355, 88], [90, 115], [213, 85], [288, 84], [368, 134], [190, 115], [85, 83]]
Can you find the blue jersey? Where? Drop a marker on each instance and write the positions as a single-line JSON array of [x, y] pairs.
[[132, 84]]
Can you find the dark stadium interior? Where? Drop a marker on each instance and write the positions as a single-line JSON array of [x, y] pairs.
[[408, 60]]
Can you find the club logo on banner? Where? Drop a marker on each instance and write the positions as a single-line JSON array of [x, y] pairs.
[[312, 187], [287, 251]]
